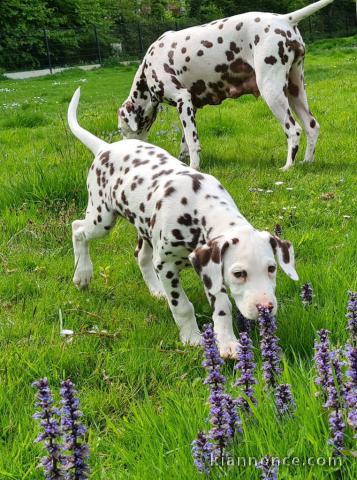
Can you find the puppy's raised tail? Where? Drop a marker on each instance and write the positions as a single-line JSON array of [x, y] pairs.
[[296, 17], [88, 139]]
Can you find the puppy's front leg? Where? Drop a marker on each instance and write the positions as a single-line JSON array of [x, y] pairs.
[[223, 325], [180, 306]]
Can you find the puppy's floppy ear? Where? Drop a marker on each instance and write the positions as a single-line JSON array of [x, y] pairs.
[[285, 254], [207, 261]]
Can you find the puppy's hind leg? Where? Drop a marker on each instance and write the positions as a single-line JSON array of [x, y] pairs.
[[96, 224], [144, 255]]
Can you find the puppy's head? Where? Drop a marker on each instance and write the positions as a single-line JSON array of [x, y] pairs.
[[245, 262]]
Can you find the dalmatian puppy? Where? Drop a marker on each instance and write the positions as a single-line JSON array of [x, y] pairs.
[[182, 217], [254, 53]]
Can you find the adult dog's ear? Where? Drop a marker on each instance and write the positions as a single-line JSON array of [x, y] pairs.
[[208, 263], [284, 251]]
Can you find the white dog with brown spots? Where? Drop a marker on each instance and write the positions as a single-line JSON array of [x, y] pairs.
[[254, 53], [182, 217]]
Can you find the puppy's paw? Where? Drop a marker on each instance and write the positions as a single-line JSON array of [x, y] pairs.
[[191, 338], [229, 349], [83, 277], [160, 294]]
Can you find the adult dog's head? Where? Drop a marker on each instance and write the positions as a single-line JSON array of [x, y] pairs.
[[244, 261]]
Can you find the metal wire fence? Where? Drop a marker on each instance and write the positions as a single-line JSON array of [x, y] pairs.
[[127, 41]]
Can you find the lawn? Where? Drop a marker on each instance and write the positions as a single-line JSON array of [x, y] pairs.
[[141, 391]]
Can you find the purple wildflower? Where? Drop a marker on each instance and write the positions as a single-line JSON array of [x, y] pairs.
[[246, 367], [352, 317], [220, 418], [335, 402], [322, 359], [51, 435], [336, 392], [74, 432], [283, 399], [351, 386], [269, 468], [234, 422], [269, 345], [306, 294], [201, 452], [337, 428], [243, 324]]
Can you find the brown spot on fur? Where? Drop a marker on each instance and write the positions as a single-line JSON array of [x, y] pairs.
[[207, 44], [293, 89], [294, 152], [207, 281], [270, 60]]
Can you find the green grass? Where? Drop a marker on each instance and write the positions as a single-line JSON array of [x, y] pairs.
[[141, 391]]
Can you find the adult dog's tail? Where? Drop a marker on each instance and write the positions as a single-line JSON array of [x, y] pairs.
[[296, 17], [88, 139]]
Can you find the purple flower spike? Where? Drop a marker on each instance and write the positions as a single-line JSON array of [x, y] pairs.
[[268, 468], [283, 399], [322, 359], [74, 432], [351, 387], [234, 422], [201, 452], [337, 428], [336, 392], [269, 345], [306, 294], [246, 367], [335, 402], [243, 324], [220, 416], [51, 435], [352, 317]]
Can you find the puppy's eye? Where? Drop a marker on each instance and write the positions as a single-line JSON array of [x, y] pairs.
[[271, 268], [242, 274]]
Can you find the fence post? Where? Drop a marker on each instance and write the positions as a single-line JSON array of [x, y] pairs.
[[97, 45], [140, 41], [310, 28], [48, 51], [347, 24]]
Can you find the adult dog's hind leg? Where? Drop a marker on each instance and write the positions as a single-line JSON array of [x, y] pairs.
[[298, 102], [271, 78]]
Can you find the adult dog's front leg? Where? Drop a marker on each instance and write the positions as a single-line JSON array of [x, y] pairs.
[[223, 325], [180, 306], [187, 116]]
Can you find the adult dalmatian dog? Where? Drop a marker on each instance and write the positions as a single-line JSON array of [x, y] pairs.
[[254, 53], [175, 210]]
